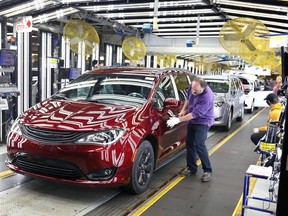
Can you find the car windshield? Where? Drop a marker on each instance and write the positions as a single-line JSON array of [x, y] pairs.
[[218, 86], [108, 88]]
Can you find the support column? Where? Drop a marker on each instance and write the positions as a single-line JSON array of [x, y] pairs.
[[155, 61], [81, 56], [65, 52], [119, 55], [148, 61], [45, 81], [24, 71]]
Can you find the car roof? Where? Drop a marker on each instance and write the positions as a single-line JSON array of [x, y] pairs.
[[154, 72], [217, 77], [247, 76]]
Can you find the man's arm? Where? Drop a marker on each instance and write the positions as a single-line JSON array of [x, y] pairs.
[[184, 109]]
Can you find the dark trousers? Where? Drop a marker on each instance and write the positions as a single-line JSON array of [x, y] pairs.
[[256, 137], [195, 144]]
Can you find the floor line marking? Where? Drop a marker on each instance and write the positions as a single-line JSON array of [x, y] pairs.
[[167, 188], [6, 174], [238, 209]]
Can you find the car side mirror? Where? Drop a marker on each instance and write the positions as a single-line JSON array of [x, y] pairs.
[[171, 103]]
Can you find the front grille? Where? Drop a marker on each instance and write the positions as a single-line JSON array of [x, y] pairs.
[[48, 167], [48, 136]]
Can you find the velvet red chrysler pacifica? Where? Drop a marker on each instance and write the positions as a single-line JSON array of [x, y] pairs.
[[107, 127]]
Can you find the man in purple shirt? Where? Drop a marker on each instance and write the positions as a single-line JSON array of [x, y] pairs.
[[199, 111]]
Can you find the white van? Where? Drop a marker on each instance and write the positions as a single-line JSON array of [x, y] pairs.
[[253, 91]]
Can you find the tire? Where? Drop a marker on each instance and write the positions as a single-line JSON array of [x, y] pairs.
[[229, 122], [142, 169], [241, 117], [252, 108]]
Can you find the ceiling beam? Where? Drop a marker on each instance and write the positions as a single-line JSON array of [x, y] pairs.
[[216, 9]]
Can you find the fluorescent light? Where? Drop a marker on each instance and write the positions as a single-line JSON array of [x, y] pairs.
[[252, 5], [23, 8], [149, 5], [169, 25], [160, 13], [187, 33], [48, 16], [38, 4], [257, 14], [189, 37], [268, 23], [174, 19], [185, 29]]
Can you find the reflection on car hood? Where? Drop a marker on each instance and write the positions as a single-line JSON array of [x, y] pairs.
[[80, 116]]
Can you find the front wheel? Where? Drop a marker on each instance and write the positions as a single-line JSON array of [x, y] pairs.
[[252, 108], [229, 121], [241, 116], [142, 169]]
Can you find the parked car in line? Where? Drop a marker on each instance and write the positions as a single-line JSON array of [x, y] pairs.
[[228, 99], [266, 87], [255, 92], [251, 86], [106, 127]]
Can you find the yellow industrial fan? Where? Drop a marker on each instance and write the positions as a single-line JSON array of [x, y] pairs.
[[202, 61], [133, 48], [242, 36], [80, 31], [264, 59], [166, 60]]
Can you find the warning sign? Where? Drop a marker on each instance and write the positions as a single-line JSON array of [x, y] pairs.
[[24, 24]]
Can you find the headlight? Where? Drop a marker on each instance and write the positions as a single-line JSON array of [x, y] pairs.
[[15, 127], [219, 104], [102, 137]]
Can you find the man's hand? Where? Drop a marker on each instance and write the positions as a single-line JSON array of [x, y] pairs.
[[172, 121], [255, 130]]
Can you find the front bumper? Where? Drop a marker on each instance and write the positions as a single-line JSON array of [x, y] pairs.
[[82, 164]]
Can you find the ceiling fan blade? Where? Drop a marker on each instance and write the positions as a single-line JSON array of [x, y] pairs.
[[74, 41], [232, 37], [250, 46], [89, 44], [249, 29]]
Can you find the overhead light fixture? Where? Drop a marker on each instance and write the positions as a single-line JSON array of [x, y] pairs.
[[39, 4], [59, 14]]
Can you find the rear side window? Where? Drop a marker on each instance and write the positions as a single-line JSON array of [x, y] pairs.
[[182, 84], [166, 87], [238, 84], [233, 87], [164, 90], [244, 81]]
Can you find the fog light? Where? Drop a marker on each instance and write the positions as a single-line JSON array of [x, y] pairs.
[[102, 174], [108, 172], [218, 119]]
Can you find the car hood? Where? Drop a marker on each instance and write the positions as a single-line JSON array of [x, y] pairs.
[[80, 116], [219, 97]]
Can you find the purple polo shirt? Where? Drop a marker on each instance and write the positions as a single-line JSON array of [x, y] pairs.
[[201, 106]]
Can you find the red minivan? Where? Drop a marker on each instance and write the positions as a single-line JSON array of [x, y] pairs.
[[106, 127]]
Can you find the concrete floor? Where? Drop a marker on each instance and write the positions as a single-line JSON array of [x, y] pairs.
[[220, 196]]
